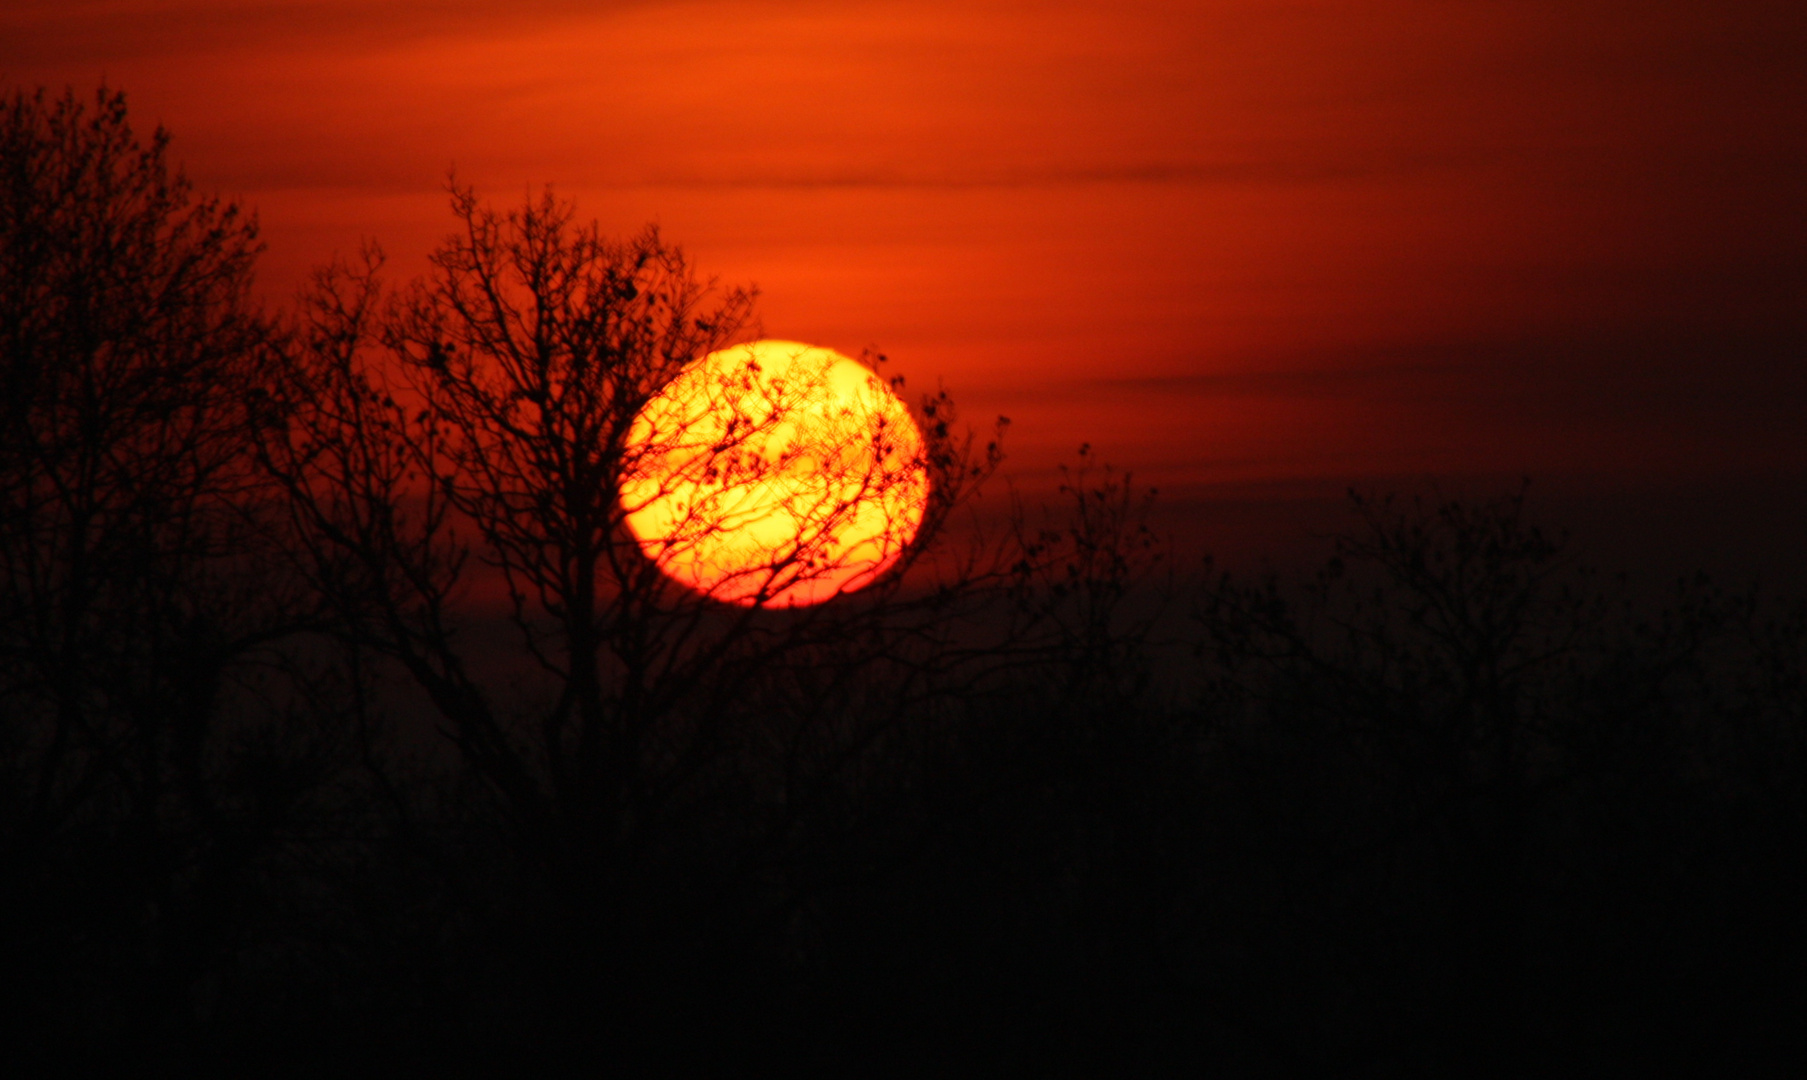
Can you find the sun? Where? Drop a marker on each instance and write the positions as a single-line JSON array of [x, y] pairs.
[[774, 473]]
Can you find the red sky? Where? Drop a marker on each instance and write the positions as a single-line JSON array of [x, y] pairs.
[[1243, 247]]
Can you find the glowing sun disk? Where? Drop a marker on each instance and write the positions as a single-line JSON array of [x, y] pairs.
[[774, 472]]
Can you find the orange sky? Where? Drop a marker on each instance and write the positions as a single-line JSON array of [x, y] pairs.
[[1233, 244]]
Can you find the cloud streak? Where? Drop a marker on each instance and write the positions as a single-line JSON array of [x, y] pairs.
[[1405, 234]]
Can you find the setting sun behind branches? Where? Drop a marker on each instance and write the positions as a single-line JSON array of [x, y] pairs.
[[775, 472]]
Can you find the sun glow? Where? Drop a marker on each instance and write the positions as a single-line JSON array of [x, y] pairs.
[[775, 473]]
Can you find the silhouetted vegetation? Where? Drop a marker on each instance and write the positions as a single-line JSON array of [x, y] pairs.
[[344, 728]]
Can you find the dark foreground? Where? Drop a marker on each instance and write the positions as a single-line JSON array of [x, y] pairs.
[[1452, 810]]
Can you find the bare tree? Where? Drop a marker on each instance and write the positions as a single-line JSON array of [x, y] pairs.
[[483, 437], [1444, 655], [134, 595]]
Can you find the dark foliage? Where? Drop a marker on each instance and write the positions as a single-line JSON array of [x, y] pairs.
[[344, 729]]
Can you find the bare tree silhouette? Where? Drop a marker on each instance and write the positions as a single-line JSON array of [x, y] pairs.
[[484, 433], [1452, 683], [136, 606]]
